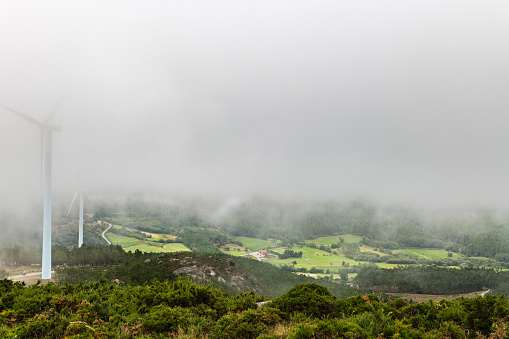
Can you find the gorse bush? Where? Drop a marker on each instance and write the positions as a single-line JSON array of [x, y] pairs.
[[329, 328], [311, 299], [184, 309], [248, 324]]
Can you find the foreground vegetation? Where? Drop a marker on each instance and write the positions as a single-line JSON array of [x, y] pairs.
[[184, 309]]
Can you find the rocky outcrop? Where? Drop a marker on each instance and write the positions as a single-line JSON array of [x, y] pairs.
[[210, 268]]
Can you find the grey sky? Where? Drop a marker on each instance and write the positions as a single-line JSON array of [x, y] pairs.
[[391, 100]]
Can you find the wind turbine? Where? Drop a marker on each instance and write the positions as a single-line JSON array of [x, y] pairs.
[[47, 130], [79, 192]]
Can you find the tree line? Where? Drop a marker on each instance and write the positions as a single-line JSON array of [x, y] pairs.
[[432, 279]]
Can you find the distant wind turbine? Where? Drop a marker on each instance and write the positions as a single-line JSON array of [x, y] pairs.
[[47, 130], [79, 192]]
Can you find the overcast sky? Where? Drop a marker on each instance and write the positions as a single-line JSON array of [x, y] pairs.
[[397, 101]]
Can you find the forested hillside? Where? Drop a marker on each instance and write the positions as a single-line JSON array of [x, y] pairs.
[[332, 241], [473, 233], [198, 224], [432, 279]]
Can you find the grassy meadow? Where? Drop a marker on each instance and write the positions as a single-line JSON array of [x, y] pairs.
[[349, 238], [311, 257], [122, 240], [426, 253], [167, 248], [324, 241], [255, 244]]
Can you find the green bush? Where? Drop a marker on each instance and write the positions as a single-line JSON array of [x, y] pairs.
[[163, 319], [481, 312], [450, 330], [249, 324], [328, 328], [42, 326], [311, 299]]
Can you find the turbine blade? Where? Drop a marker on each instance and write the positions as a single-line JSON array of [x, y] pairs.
[[72, 202], [24, 116], [57, 107]]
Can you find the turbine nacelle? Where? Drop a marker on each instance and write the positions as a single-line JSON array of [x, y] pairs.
[[49, 127], [45, 126]]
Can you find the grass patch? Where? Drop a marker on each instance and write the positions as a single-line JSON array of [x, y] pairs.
[[159, 235], [176, 247], [314, 257], [349, 238], [122, 240], [233, 249], [144, 248], [167, 248], [365, 248], [255, 244], [426, 253], [386, 265], [234, 253], [118, 227], [321, 259], [324, 240]]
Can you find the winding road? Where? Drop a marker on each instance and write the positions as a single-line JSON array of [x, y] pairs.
[[106, 230], [21, 276]]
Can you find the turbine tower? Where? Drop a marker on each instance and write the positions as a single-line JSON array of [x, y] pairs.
[[79, 192], [47, 130]]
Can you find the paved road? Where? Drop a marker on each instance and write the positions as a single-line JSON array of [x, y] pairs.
[[106, 230], [21, 276], [26, 275]]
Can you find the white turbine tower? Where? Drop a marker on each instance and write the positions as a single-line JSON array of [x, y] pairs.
[[47, 130], [79, 192]]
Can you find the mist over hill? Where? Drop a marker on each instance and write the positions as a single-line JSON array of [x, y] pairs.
[[403, 103]]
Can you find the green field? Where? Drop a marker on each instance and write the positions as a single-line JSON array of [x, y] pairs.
[[313, 257], [365, 248], [426, 253], [234, 253], [174, 247], [386, 265], [255, 244], [351, 238], [144, 248], [321, 259], [121, 240], [118, 227], [324, 240], [157, 236], [348, 238], [233, 249]]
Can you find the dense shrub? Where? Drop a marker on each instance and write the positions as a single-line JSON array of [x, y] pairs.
[[311, 299], [329, 328], [185, 309], [161, 319], [249, 324]]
